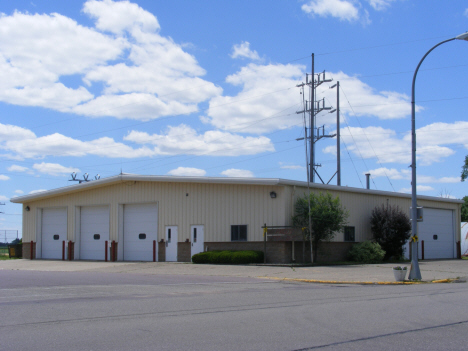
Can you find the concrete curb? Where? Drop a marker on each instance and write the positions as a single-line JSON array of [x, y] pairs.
[[439, 281]]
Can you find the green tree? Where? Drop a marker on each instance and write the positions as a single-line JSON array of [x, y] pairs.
[[464, 209], [391, 228], [464, 173], [327, 217]]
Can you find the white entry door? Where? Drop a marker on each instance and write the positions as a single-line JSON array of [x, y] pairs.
[[171, 243], [140, 230], [94, 232], [196, 236], [54, 232]]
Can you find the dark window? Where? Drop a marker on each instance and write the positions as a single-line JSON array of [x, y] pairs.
[[142, 236], [194, 235], [238, 233], [435, 236], [349, 234], [169, 235], [56, 236], [97, 236]]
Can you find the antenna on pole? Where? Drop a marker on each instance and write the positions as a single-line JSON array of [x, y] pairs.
[[315, 107], [85, 178], [338, 135]]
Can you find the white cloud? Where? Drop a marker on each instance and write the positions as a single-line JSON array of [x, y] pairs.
[[390, 173], [342, 9], [4, 198], [433, 142], [365, 101], [177, 140], [419, 188], [4, 177], [380, 5], [25, 144], [37, 191], [144, 75], [19, 192], [405, 174], [119, 16], [243, 50], [268, 100], [54, 168], [268, 91], [237, 173], [16, 168], [430, 179], [292, 167], [185, 140], [187, 171]]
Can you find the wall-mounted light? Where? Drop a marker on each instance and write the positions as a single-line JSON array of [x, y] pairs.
[[27, 208], [273, 195]]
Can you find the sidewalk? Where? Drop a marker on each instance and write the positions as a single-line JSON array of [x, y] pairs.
[[375, 273]]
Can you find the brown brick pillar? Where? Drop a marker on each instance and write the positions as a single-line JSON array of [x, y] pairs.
[[184, 251], [28, 249], [113, 251], [162, 251], [71, 250]]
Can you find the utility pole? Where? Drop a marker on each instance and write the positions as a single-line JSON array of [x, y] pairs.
[[314, 107], [312, 121], [338, 135]]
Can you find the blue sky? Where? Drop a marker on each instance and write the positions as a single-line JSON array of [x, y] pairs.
[[208, 88]]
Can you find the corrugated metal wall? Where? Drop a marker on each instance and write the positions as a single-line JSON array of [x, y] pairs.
[[216, 206], [360, 206]]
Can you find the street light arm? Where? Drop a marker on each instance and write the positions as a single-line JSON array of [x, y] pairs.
[[419, 65], [414, 272]]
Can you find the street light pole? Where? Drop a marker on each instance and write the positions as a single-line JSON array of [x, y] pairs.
[[415, 273]]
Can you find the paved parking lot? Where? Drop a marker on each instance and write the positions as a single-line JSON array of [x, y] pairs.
[[55, 305]]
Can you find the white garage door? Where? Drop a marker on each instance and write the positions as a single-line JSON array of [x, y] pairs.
[[53, 232], [94, 232], [438, 234], [140, 229]]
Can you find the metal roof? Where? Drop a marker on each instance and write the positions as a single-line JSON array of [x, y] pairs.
[[124, 177]]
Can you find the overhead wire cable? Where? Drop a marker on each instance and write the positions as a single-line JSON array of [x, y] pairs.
[[370, 144]]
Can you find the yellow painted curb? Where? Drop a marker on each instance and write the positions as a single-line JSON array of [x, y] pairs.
[[359, 283]]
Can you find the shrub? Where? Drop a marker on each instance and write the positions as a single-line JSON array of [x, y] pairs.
[[366, 252], [228, 257], [391, 228]]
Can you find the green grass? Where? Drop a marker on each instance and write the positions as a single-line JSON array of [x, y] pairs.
[[4, 254], [464, 257]]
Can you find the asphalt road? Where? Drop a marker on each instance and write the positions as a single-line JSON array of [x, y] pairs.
[[121, 311]]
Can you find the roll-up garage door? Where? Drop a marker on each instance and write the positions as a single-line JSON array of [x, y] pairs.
[[94, 232], [53, 232], [438, 233], [140, 230]]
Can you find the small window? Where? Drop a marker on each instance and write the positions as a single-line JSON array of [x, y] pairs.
[[349, 234], [194, 235], [238, 232], [56, 237], [142, 236], [97, 236], [169, 235], [435, 236]]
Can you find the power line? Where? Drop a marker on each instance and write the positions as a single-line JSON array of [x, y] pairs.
[[370, 144]]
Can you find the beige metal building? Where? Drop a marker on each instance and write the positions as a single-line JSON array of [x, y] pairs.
[[168, 218]]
